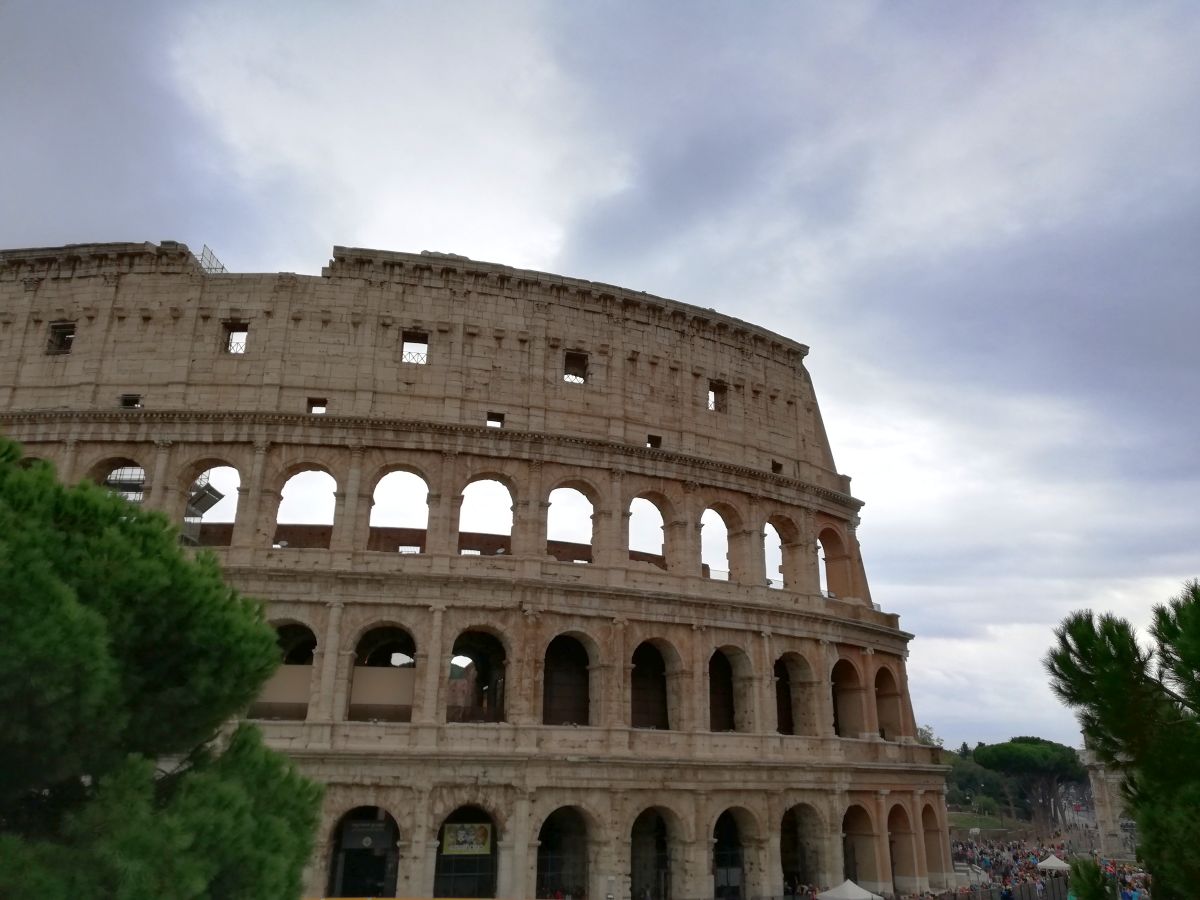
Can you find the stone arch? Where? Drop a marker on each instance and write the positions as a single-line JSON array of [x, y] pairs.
[[210, 487], [383, 681], [796, 695], [654, 693], [643, 510], [566, 682], [122, 475], [286, 694], [802, 847], [834, 553], [849, 714], [859, 860], [568, 537], [731, 864], [656, 841], [565, 847], [730, 690], [475, 691], [365, 854], [466, 859], [791, 563], [719, 525], [398, 521], [485, 526], [902, 845], [889, 706], [305, 515], [935, 860]]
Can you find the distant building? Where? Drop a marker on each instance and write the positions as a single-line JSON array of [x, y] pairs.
[[1116, 829], [623, 717]]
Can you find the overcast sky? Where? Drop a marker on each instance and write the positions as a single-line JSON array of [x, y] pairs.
[[983, 217]]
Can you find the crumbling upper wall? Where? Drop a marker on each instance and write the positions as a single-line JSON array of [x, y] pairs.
[[149, 321]]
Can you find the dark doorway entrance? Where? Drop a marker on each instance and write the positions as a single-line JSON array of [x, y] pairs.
[[466, 855], [562, 855], [365, 855]]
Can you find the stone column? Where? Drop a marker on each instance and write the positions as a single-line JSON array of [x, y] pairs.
[[345, 521], [682, 537], [513, 848], [824, 690], [445, 498], [772, 877], [249, 529], [66, 469], [610, 527], [159, 492], [883, 851], [435, 663], [766, 716], [699, 681], [923, 875], [329, 653], [747, 555], [529, 515], [870, 708]]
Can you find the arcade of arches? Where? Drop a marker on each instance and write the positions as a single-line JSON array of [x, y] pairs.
[[679, 847], [305, 506]]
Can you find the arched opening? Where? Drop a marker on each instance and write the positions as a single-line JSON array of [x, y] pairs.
[[306, 509], [485, 519], [399, 519], [569, 526], [800, 840], [211, 508], [728, 859], [848, 716], [124, 477], [903, 847], [650, 857], [562, 855], [795, 696], [934, 864], [565, 683], [646, 533], [475, 692], [384, 677], [888, 706], [773, 556], [833, 564], [730, 691], [285, 694], [466, 855], [714, 545], [365, 854], [648, 689], [858, 848]]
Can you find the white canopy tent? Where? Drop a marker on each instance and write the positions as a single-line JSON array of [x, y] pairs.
[[847, 890], [1053, 864]]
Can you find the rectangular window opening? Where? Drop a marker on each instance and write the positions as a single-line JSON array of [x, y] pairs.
[[317, 405], [575, 367], [131, 401], [654, 441], [414, 348], [717, 396], [237, 336], [495, 420], [776, 467], [60, 339]]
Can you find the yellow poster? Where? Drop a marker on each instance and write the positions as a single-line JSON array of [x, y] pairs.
[[468, 839]]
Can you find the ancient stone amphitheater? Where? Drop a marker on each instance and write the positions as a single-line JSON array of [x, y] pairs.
[[649, 669]]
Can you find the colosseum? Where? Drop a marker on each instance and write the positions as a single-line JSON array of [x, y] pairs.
[[567, 585]]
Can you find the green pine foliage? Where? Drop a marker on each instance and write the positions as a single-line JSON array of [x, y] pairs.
[[121, 659], [1140, 711], [1038, 768]]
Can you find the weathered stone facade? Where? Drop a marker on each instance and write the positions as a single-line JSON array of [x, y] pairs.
[[762, 723]]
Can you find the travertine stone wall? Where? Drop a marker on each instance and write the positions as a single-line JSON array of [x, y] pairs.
[[148, 321]]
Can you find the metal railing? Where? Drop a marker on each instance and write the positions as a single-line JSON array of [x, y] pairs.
[[413, 356]]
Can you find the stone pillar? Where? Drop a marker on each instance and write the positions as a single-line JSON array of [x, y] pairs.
[[699, 681], [513, 849], [250, 529], [346, 515], [824, 690], [805, 561], [834, 858], [66, 469], [529, 515], [772, 877], [756, 867], [436, 661], [747, 557], [610, 526], [691, 867], [766, 716], [682, 537], [445, 498], [870, 707], [322, 709], [883, 852], [159, 491], [614, 679]]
